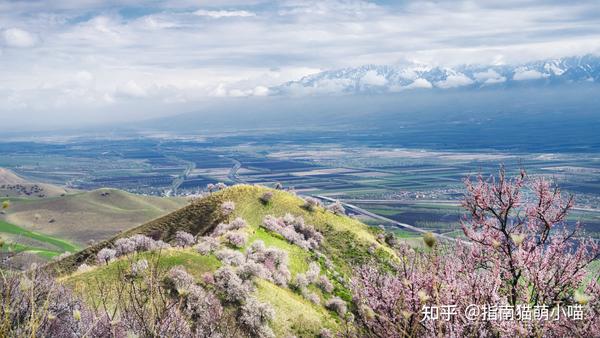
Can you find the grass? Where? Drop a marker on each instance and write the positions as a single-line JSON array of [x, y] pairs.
[[87, 283], [59, 243], [17, 248], [293, 313], [298, 258], [97, 214]]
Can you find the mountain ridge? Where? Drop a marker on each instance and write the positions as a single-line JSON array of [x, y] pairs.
[[389, 79]]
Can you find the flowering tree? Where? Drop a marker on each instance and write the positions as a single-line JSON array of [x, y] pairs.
[[520, 225], [520, 253]]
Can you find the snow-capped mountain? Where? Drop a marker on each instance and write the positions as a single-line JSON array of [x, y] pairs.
[[381, 79]]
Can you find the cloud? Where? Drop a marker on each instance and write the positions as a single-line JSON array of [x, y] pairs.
[[18, 38], [260, 91], [371, 78], [489, 77], [174, 51], [224, 14], [419, 83], [131, 90], [525, 74], [453, 81]]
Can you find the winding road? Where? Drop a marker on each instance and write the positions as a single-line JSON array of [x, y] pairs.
[[389, 220], [233, 172]]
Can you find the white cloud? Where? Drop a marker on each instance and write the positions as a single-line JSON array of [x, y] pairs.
[[371, 78], [224, 14], [418, 83], [131, 90], [489, 77], [528, 74], [453, 81], [260, 91], [175, 54], [84, 77], [19, 38]]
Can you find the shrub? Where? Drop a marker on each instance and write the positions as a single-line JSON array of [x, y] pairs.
[[281, 276], [314, 269], [266, 197], [372, 248], [216, 187], [313, 297], [429, 239], [230, 257], [325, 284], [160, 245], [145, 243], [236, 224], [179, 279], [294, 230], [33, 304], [231, 285], [256, 251], [106, 255], [251, 269], [337, 208], [255, 317], [124, 246], [227, 207], [139, 267], [338, 305], [301, 281], [325, 333], [391, 239], [274, 261], [311, 203], [206, 245], [205, 311], [184, 239], [83, 268], [236, 238]]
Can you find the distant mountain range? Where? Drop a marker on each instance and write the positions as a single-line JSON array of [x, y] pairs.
[[389, 79]]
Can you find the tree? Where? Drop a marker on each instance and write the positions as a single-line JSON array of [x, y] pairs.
[[520, 253], [520, 224]]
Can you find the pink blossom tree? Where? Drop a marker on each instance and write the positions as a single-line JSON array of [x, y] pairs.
[[520, 252], [520, 224]]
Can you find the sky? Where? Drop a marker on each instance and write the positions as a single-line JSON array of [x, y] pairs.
[[68, 61]]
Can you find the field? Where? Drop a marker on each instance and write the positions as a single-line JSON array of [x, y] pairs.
[[33, 242], [411, 185]]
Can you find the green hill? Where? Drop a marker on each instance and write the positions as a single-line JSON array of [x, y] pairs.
[[94, 215], [346, 242]]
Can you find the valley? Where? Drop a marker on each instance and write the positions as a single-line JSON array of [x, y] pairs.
[[94, 189]]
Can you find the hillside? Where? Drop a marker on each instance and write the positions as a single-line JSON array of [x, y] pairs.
[[12, 185], [94, 215], [345, 242]]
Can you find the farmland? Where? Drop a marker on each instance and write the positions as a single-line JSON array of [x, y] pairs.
[[421, 187]]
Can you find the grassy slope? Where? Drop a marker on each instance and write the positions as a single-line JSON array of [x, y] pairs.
[[97, 214], [9, 178], [58, 245], [346, 243]]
